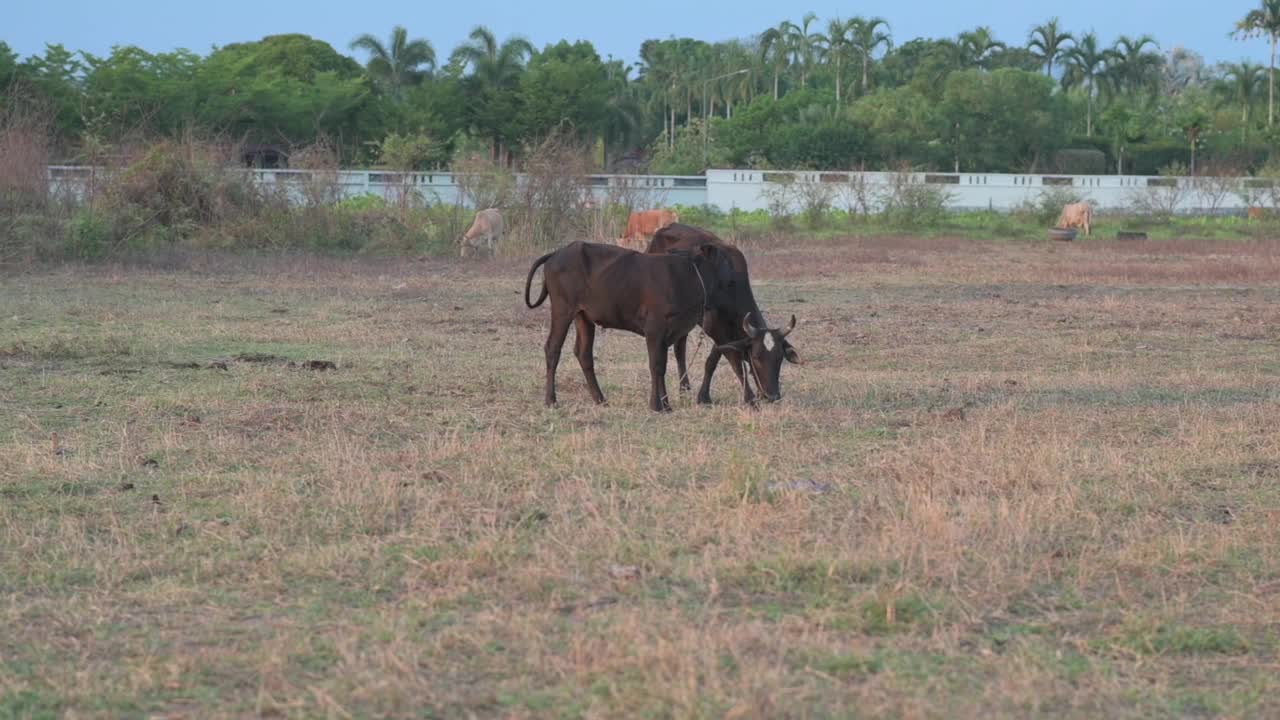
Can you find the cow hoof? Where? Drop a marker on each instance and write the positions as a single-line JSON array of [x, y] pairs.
[[704, 399]]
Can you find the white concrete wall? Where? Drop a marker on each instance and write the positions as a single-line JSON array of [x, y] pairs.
[[752, 189]]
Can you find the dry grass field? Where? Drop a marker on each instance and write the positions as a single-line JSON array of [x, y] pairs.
[[1012, 480]]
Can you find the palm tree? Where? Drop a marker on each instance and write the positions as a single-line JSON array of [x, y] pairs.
[[1132, 67], [495, 69], [741, 87], [775, 49], [1192, 118], [1265, 21], [657, 75], [869, 35], [978, 45], [839, 48], [670, 72], [622, 113], [726, 64], [398, 63], [1048, 43], [1086, 65], [1241, 83], [498, 65], [698, 65], [805, 46]]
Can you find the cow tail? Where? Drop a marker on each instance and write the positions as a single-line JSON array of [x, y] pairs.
[[529, 281]]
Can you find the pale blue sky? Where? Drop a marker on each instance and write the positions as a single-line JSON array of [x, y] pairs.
[[615, 28]]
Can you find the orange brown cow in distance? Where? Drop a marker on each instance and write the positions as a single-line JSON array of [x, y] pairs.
[[643, 224]]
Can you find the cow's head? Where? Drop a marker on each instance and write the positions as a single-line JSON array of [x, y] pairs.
[[765, 350]]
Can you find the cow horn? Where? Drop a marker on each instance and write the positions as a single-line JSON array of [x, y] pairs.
[[750, 329], [790, 327]]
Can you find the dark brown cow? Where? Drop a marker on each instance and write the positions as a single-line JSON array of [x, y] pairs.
[[661, 297], [736, 325]]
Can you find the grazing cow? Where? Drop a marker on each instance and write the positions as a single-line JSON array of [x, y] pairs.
[[1076, 215], [736, 326], [661, 297], [485, 233], [642, 225]]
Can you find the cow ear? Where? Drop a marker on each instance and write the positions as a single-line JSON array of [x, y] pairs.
[[792, 356], [735, 346]]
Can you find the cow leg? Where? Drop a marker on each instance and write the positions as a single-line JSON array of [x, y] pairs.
[[658, 401], [737, 361], [682, 370], [555, 343], [704, 392], [584, 348]]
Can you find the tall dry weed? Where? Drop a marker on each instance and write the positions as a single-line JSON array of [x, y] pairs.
[[550, 202], [26, 138]]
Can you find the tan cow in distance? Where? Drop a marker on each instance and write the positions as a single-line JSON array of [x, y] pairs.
[[485, 233], [1076, 215], [642, 225]]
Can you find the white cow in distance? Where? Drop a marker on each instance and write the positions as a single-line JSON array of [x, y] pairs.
[[484, 234]]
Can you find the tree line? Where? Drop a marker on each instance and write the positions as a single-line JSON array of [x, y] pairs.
[[809, 94]]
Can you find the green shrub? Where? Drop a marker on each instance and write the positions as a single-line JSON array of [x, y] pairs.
[[90, 236], [910, 205], [361, 203], [418, 151], [703, 216], [1148, 158], [1047, 207], [1076, 161]]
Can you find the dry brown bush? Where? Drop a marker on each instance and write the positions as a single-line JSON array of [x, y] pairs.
[[858, 195], [1159, 201], [908, 203], [178, 187], [481, 184], [26, 136], [26, 139], [318, 185], [550, 203], [1217, 182]]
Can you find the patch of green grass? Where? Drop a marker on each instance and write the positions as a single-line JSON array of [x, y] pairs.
[[897, 614], [798, 578], [1004, 634], [1165, 639], [30, 705], [977, 225], [843, 666], [547, 702]]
